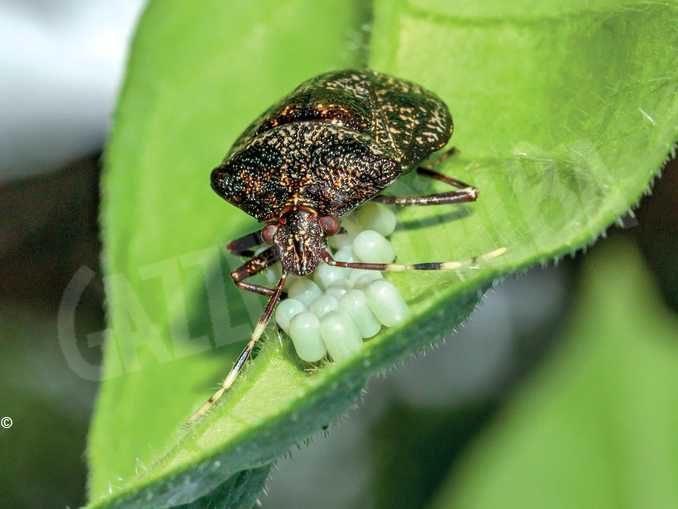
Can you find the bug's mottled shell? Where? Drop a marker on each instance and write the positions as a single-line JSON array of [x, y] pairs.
[[333, 143]]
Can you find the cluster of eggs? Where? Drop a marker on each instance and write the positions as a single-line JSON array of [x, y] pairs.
[[337, 308]]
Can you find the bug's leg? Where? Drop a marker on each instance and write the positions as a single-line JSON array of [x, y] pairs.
[[254, 266], [243, 246], [430, 199], [466, 192], [400, 267], [245, 354], [436, 175], [444, 156]]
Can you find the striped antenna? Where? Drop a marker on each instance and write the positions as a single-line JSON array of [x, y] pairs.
[[245, 354]]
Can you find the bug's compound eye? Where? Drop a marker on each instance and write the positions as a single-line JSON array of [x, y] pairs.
[[329, 224], [268, 232]]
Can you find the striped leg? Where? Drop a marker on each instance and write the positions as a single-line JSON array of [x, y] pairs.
[[399, 267], [254, 266], [245, 354]]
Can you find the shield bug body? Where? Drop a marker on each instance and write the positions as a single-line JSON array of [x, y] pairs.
[[336, 141]]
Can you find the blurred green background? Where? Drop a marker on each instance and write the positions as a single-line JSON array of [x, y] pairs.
[[558, 392]]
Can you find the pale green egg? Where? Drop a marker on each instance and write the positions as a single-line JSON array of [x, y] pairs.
[[386, 303], [291, 279], [304, 290], [305, 334], [345, 254], [363, 278], [376, 216], [326, 275], [323, 305], [354, 304], [351, 225], [337, 291], [286, 310], [340, 240], [371, 247], [340, 335]]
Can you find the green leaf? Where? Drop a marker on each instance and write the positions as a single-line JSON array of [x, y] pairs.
[[562, 119], [595, 427]]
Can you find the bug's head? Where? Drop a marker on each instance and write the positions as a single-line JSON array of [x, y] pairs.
[[299, 236]]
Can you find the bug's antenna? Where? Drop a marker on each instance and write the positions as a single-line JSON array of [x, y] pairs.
[[399, 267], [245, 354]]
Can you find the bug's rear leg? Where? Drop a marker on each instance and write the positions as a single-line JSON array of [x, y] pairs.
[[466, 193], [444, 156], [436, 175], [254, 266]]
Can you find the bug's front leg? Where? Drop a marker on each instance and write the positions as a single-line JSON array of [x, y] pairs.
[[254, 266], [243, 246]]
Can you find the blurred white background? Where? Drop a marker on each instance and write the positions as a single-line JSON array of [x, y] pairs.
[[61, 62]]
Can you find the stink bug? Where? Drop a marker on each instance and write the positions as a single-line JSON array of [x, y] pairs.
[[336, 141]]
